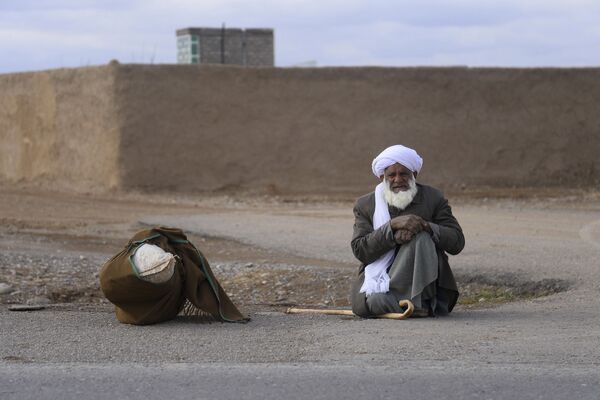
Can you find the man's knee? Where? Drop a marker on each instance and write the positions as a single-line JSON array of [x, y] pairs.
[[422, 237], [421, 241], [424, 241]]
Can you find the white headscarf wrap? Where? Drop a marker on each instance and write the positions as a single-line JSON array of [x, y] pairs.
[[376, 278], [397, 154]]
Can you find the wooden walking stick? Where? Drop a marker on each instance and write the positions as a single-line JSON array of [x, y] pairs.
[[403, 303]]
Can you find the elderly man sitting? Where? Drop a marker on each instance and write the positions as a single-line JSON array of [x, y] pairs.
[[402, 232]]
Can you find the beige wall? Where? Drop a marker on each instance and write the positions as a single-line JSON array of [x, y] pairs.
[[193, 128], [58, 129], [298, 130]]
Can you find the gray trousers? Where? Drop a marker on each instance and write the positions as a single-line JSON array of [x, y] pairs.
[[413, 276]]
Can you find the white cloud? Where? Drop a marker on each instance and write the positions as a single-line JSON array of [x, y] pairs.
[[38, 34]]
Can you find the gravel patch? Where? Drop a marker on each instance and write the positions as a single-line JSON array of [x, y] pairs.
[[41, 279]]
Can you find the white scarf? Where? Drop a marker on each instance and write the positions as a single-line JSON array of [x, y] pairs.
[[376, 278]]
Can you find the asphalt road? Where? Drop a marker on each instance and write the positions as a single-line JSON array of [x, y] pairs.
[[541, 348], [445, 380]]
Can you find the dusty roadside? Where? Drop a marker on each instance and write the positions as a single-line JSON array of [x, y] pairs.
[[271, 252], [54, 243]]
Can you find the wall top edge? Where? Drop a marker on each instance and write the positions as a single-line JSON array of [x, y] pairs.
[[115, 65], [218, 31]]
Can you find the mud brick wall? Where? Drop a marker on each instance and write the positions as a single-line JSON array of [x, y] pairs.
[[207, 128], [59, 129]]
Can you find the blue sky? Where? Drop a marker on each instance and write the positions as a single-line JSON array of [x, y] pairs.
[[36, 34]]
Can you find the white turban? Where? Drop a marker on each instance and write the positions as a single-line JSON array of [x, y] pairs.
[[397, 154]]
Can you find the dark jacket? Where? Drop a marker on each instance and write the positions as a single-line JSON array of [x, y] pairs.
[[369, 244]]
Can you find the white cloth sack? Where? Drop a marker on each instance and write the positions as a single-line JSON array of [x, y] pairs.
[[153, 264]]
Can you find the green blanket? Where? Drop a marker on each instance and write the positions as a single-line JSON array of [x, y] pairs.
[[193, 284]]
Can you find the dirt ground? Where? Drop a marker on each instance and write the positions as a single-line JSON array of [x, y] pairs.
[[54, 245], [511, 336]]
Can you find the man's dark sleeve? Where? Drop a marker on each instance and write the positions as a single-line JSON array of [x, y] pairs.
[[369, 244], [451, 238]]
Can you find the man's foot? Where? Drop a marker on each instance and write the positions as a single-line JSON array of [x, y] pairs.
[[420, 313]]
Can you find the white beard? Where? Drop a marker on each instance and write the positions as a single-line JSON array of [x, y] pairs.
[[401, 199]]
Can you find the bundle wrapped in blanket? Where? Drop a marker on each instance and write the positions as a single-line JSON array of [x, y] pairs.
[[159, 274]]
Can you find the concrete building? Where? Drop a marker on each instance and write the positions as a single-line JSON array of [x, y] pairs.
[[233, 46]]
